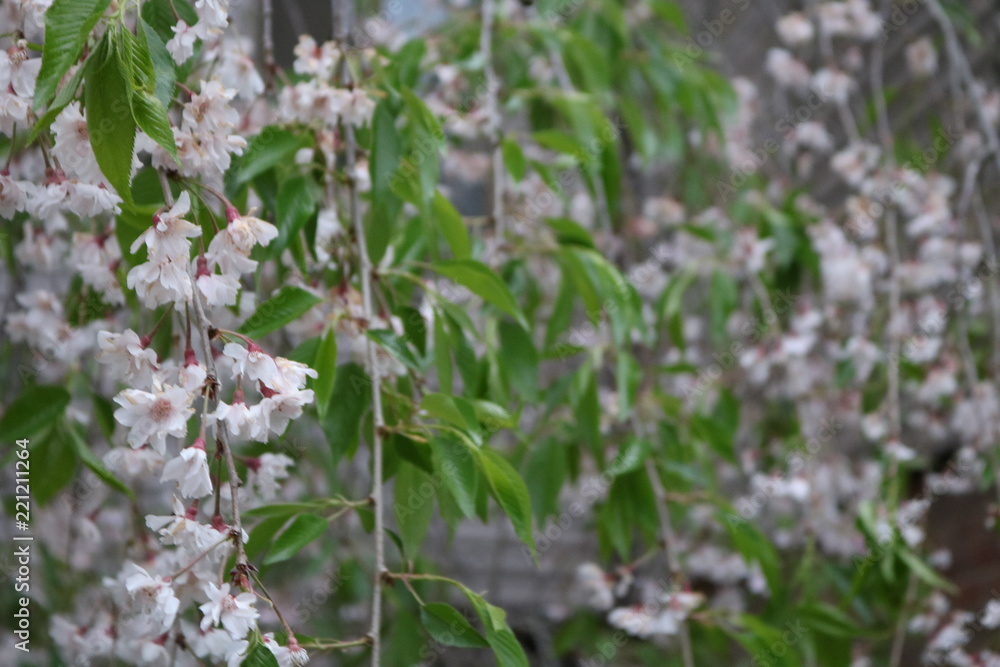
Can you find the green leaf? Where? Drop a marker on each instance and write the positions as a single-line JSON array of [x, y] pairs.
[[110, 123], [394, 344], [282, 509], [262, 534], [452, 226], [288, 304], [271, 147], [298, 198], [447, 626], [510, 492], [519, 359], [38, 407], [506, 648], [513, 158], [570, 232], [754, 547], [67, 25], [924, 571], [303, 530], [351, 397], [483, 282], [325, 364], [413, 505], [455, 410], [829, 620], [461, 476], [160, 14], [90, 460], [53, 465], [259, 655], [162, 61], [151, 117], [66, 95]]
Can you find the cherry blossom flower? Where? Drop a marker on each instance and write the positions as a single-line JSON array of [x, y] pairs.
[[152, 416], [795, 29], [287, 656], [921, 57], [168, 236], [128, 356], [181, 45], [190, 470], [151, 598], [235, 612]]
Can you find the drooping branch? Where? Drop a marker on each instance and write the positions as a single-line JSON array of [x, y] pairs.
[[345, 19]]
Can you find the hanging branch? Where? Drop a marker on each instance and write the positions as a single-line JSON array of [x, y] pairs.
[[492, 116], [267, 39], [242, 568], [345, 20]]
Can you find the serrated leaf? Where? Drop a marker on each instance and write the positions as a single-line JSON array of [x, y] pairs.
[[162, 61], [303, 530], [510, 492], [287, 305], [66, 95], [37, 407], [447, 626], [109, 117], [325, 364], [483, 282], [68, 23], [151, 117]]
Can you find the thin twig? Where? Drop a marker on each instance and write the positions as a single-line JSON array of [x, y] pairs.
[[345, 24], [492, 115], [667, 533], [267, 38]]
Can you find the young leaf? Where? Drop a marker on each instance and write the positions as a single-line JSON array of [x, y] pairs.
[[162, 61], [67, 25], [478, 278], [288, 304], [303, 530], [109, 116]]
